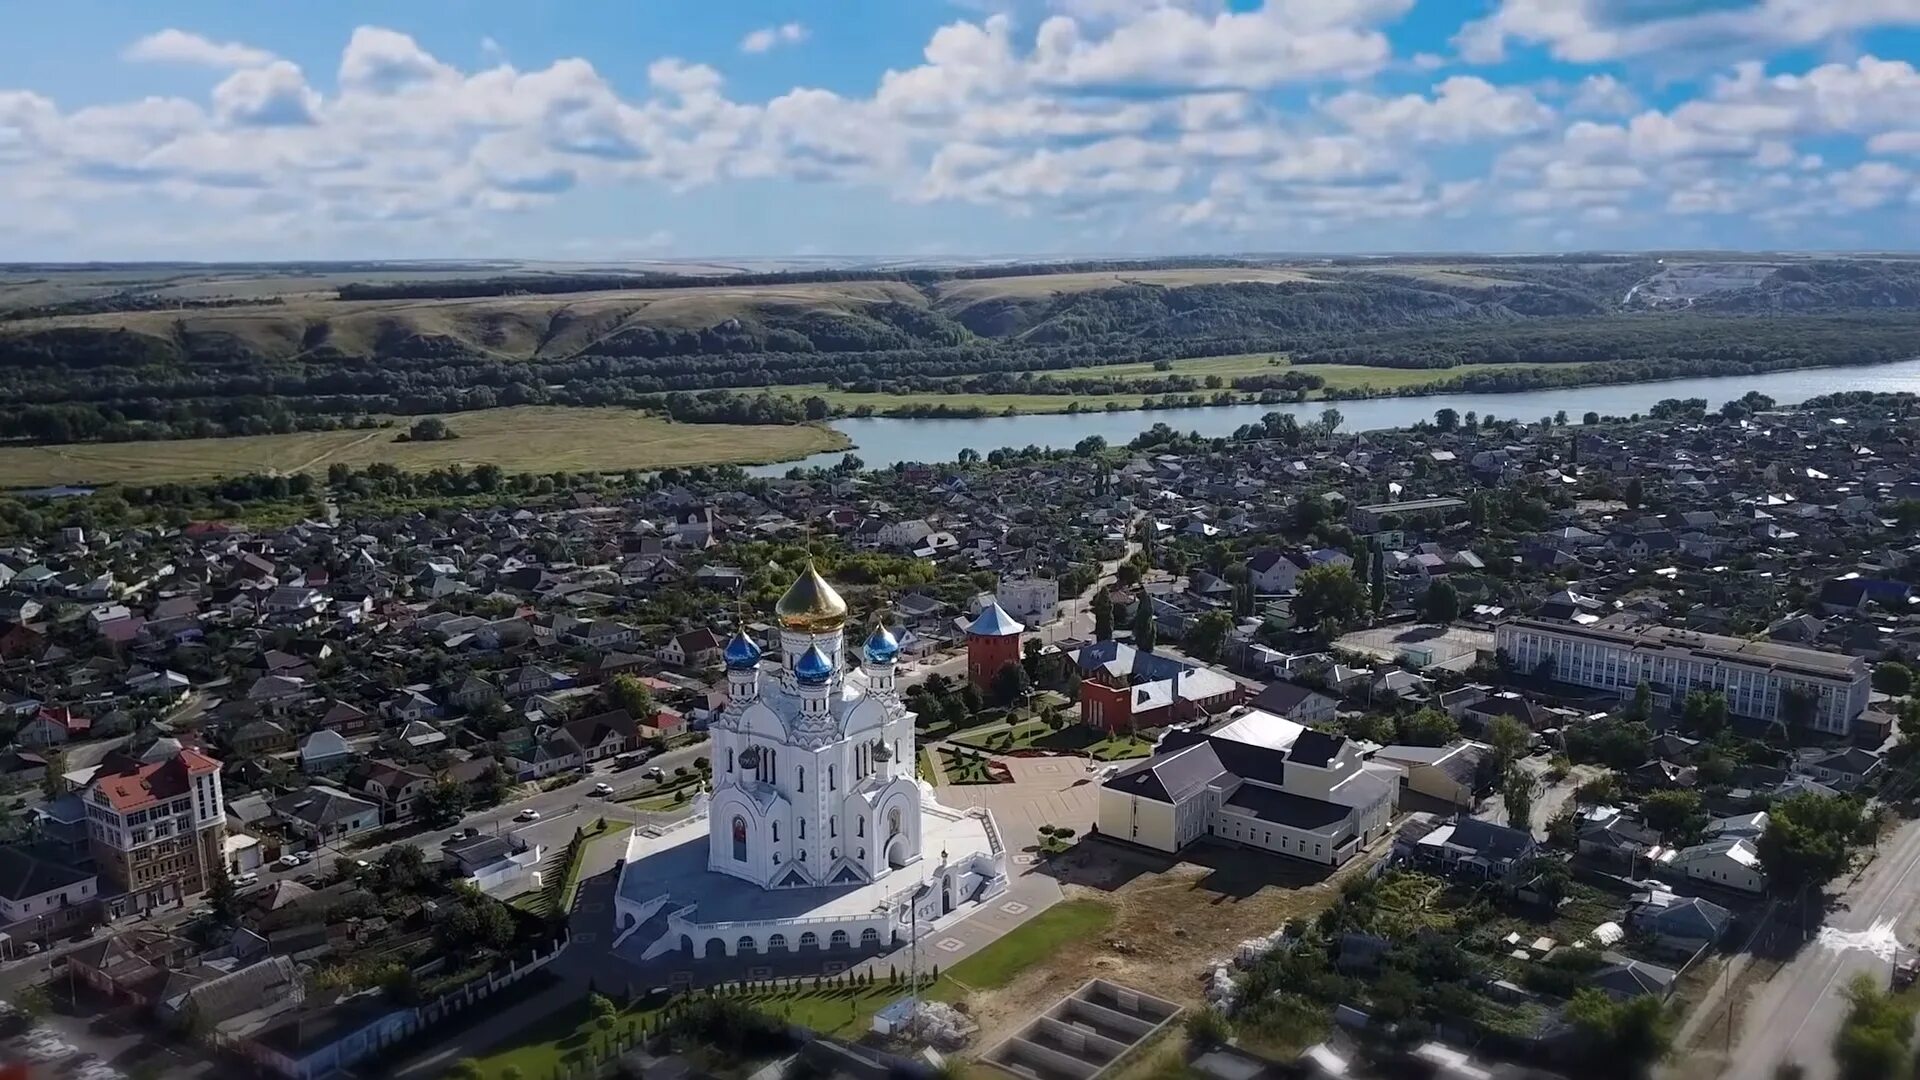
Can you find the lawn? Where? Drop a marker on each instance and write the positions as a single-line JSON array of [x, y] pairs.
[[843, 1011], [1001, 737], [1074, 738], [1060, 927], [967, 768], [522, 439]]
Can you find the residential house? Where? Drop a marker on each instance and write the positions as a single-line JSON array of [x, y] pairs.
[[604, 735], [260, 738], [1679, 924], [325, 815], [40, 898], [496, 865], [554, 752], [324, 750], [1481, 850], [1448, 773], [392, 785], [1301, 704], [52, 725], [1730, 862], [693, 649]]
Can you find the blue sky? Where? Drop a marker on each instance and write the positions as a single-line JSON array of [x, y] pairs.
[[638, 129]]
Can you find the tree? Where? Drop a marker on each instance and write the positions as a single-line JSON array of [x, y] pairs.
[[1509, 738], [1623, 1038], [1428, 727], [1441, 603], [1208, 1027], [1328, 598], [1010, 684], [1893, 678], [442, 803], [1872, 1041], [1330, 421], [1643, 702], [1446, 419], [1809, 839], [1209, 633], [1797, 707], [1102, 615], [50, 780], [1704, 713], [1143, 628], [605, 1012], [1634, 493], [1675, 815], [221, 895], [1518, 795], [34, 1001], [1599, 791], [629, 693]]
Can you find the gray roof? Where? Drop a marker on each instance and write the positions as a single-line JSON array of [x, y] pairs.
[[1170, 776], [320, 805], [1732, 650], [1293, 811]]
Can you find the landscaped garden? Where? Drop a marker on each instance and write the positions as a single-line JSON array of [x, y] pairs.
[[964, 766], [1058, 737]]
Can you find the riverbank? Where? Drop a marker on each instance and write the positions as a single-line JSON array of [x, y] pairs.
[[881, 442], [526, 438]]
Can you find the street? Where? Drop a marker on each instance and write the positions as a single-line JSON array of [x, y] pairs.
[[1795, 1016]]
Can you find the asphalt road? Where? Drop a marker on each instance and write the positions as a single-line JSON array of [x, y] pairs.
[[1798, 1012]]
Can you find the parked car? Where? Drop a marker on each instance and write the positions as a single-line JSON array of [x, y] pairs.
[[286, 862], [245, 880], [302, 858]]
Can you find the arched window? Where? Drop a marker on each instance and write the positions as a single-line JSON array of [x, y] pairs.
[[802, 826], [775, 826], [729, 759], [831, 784], [859, 826], [893, 823], [802, 774], [833, 826], [739, 839]]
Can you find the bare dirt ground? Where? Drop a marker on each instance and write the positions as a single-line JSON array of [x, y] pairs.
[[1173, 918]]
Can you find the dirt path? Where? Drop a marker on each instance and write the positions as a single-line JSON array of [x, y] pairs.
[[341, 449]]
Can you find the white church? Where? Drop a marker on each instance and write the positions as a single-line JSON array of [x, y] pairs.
[[818, 834]]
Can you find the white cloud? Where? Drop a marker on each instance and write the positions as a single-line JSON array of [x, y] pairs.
[[1603, 95], [269, 96], [182, 47], [1595, 31], [1463, 108], [1895, 142], [768, 37]]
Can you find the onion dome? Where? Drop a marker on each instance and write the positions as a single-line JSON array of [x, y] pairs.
[[810, 604], [882, 647], [881, 752], [742, 654], [750, 758], [813, 668]]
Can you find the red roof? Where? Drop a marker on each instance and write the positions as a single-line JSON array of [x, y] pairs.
[[63, 716], [137, 785]]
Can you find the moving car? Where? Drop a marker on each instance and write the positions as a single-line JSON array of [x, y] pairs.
[[603, 788], [529, 814], [286, 862], [245, 880]]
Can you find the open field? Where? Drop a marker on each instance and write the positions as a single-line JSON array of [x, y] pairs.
[[521, 439]]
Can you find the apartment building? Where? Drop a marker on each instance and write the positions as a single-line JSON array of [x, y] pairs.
[[156, 824], [1757, 677]]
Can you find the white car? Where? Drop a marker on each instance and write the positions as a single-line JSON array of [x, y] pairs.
[[603, 788], [302, 858], [286, 862], [529, 814], [245, 880]]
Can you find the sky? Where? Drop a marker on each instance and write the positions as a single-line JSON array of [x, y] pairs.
[[586, 130]]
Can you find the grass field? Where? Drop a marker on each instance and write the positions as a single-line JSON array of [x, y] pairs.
[[1060, 927], [522, 439], [1042, 285]]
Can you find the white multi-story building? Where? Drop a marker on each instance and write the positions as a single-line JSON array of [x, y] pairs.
[[817, 835], [1757, 677], [1032, 599]]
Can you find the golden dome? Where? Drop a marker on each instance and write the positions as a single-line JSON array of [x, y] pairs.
[[810, 604]]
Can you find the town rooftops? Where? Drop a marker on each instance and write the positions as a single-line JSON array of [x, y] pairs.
[[22, 875], [1718, 647], [128, 785]]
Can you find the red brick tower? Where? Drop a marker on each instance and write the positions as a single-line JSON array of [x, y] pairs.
[[993, 642]]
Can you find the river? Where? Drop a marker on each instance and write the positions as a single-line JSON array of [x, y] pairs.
[[880, 442]]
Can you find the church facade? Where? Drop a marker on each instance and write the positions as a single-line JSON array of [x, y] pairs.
[[818, 833]]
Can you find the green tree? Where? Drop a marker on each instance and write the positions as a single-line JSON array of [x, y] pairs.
[[1872, 1041], [221, 895], [1102, 615], [1517, 793], [1328, 598], [1809, 839], [605, 1012], [1509, 738], [34, 1001], [629, 693], [1704, 713], [1010, 684], [1675, 815], [1441, 604], [1208, 635], [1428, 727], [1893, 677], [442, 803], [1623, 1038], [1446, 419], [1643, 702], [50, 780], [1143, 628]]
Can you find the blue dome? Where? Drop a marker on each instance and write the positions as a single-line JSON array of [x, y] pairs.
[[882, 646], [742, 654], [813, 668]]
